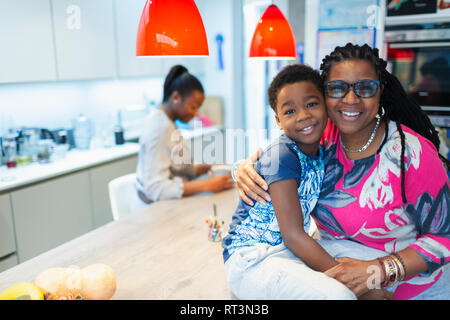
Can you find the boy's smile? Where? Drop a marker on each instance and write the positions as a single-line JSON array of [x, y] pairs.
[[301, 114], [307, 130]]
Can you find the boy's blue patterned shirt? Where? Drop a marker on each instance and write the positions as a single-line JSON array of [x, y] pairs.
[[281, 160]]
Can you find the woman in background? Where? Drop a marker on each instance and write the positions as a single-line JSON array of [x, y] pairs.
[[165, 167]]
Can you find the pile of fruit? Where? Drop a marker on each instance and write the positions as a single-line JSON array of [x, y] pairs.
[[94, 282]]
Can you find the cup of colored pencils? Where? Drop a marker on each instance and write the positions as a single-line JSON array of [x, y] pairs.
[[214, 227]]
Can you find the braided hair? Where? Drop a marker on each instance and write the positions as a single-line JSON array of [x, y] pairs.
[[398, 106], [180, 80]]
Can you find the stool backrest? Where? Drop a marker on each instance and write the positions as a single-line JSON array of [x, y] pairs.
[[121, 191]]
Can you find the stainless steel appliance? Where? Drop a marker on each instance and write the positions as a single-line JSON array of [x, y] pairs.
[[419, 55]]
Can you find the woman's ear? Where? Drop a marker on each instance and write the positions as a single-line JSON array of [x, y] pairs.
[[175, 97]]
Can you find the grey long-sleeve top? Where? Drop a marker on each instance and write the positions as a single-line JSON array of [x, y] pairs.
[[164, 159]]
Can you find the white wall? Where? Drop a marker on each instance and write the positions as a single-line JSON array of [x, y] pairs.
[[370, 13], [255, 100], [311, 26], [260, 120], [56, 104], [225, 18]]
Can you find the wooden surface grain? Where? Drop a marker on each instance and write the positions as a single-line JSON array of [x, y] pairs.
[[160, 252]]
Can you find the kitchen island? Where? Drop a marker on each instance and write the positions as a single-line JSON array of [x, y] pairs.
[[159, 252]]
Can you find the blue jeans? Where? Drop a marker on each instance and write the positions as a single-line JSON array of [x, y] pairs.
[[274, 272]]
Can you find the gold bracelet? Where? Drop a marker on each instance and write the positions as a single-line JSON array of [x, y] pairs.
[[402, 263], [394, 268], [397, 268], [402, 271], [390, 272], [387, 271], [383, 269]]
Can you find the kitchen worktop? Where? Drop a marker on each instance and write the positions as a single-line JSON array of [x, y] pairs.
[[11, 178], [159, 252], [74, 160]]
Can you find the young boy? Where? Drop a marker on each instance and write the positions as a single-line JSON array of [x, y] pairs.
[[257, 262]]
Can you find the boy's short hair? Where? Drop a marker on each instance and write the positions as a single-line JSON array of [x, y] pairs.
[[291, 74]]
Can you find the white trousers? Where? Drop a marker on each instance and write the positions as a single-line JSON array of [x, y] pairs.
[[274, 272]]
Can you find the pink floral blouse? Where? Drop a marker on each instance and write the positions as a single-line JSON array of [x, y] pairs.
[[361, 200]]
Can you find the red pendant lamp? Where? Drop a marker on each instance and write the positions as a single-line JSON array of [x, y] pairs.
[[171, 28], [273, 37]]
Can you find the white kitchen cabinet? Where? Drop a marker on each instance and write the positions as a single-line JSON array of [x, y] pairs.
[[8, 262], [7, 242], [50, 213], [48, 40], [27, 51], [127, 17], [99, 178], [84, 37]]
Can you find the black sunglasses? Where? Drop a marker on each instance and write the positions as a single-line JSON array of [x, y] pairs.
[[362, 88]]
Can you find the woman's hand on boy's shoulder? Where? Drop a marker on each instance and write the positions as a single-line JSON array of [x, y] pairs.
[[250, 183]]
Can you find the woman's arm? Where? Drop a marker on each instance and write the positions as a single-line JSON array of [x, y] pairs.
[[359, 275], [213, 184], [202, 169], [249, 182], [290, 220]]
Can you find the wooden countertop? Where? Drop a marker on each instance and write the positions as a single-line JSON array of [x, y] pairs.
[[160, 252]]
